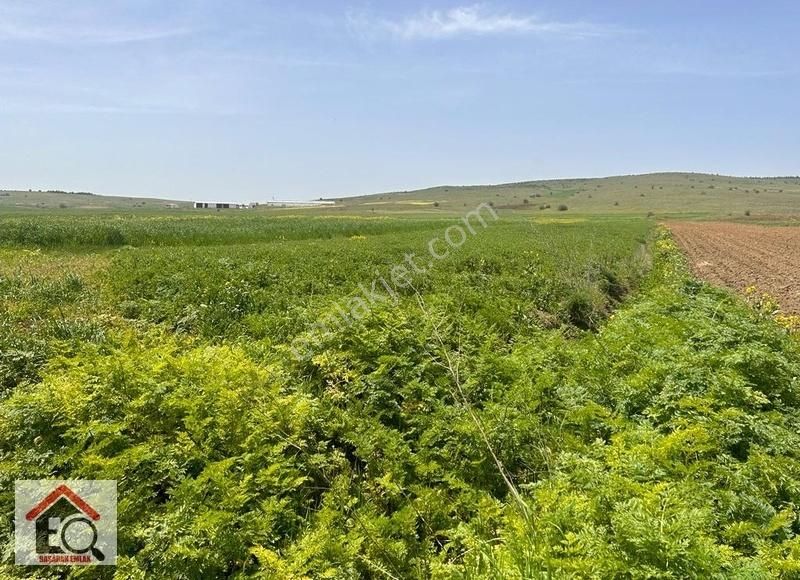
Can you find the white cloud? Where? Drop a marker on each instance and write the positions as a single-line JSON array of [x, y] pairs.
[[473, 20]]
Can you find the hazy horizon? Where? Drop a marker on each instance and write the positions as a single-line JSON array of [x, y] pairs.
[[196, 100], [383, 192]]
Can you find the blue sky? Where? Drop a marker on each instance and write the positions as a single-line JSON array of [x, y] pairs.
[[260, 99]]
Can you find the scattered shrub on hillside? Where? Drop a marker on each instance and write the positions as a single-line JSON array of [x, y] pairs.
[[747, 212], [562, 207]]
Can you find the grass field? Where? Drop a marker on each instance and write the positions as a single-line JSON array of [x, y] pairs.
[[553, 395]]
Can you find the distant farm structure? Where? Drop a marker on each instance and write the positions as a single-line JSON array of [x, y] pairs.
[[220, 205], [252, 205]]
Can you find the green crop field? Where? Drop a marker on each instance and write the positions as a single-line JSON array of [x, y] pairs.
[[342, 393]]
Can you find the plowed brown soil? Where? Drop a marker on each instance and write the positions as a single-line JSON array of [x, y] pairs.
[[739, 255]]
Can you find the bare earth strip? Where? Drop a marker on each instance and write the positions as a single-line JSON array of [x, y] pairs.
[[739, 255]]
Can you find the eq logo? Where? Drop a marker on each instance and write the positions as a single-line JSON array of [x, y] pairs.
[[66, 522]]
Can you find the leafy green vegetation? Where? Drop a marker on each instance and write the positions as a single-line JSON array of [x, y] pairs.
[[554, 398], [197, 229]]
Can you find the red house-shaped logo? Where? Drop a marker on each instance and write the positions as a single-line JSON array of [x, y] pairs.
[[60, 509], [62, 491]]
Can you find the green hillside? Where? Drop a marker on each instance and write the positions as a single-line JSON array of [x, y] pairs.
[[661, 194], [664, 194], [13, 200]]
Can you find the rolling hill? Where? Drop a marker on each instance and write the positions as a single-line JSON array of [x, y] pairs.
[[15, 200], [663, 194]]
